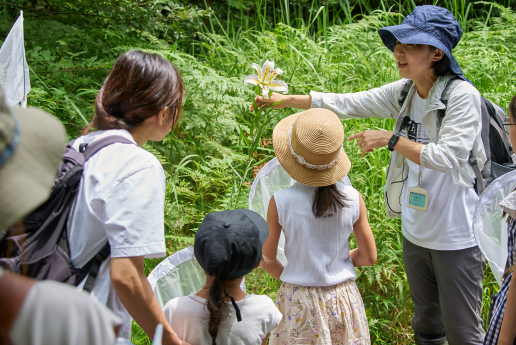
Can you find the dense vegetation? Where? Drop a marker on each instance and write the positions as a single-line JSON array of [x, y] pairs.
[[212, 154]]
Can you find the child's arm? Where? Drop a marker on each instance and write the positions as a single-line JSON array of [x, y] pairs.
[[264, 341], [508, 330], [270, 248], [365, 253]]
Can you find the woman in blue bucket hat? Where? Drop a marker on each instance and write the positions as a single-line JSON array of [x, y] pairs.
[[430, 183]]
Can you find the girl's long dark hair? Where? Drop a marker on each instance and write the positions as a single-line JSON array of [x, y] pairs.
[[328, 201], [218, 308], [138, 87]]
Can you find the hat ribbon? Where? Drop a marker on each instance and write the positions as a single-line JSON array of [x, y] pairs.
[[9, 150], [237, 309], [302, 161]]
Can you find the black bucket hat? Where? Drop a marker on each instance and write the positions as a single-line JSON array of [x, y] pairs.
[[228, 245], [431, 25]]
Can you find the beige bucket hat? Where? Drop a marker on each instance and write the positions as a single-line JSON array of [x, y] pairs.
[[309, 147], [31, 147]]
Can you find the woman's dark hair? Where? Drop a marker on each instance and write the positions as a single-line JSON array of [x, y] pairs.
[[328, 201], [218, 308], [138, 87], [512, 109], [441, 67]]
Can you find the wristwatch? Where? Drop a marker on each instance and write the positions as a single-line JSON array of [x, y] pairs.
[[393, 141]]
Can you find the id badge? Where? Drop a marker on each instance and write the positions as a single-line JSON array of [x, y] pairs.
[[418, 198]]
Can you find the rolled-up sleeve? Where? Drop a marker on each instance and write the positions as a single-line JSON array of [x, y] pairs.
[[378, 102], [459, 130], [134, 215]]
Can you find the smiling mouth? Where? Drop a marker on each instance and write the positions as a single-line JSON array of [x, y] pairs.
[[401, 64]]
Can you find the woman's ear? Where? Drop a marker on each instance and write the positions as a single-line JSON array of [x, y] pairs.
[[162, 116], [438, 55]]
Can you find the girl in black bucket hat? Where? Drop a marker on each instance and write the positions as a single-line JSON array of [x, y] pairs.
[[430, 182], [228, 245]]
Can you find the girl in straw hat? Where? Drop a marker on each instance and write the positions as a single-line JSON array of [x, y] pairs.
[[319, 299]]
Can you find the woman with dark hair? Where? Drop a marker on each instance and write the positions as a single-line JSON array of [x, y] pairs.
[[122, 194], [318, 298], [430, 181], [502, 328]]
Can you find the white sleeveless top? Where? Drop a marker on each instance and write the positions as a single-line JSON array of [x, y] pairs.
[[317, 249]]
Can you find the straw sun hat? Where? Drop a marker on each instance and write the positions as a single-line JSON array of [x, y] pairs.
[[314, 155]]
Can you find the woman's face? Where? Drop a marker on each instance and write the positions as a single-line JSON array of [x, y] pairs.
[[415, 61]]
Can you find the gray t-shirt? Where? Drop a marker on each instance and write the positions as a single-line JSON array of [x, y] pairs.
[[188, 317]]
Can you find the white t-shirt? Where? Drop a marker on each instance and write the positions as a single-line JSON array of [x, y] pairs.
[[448, 222], [57, 314], [121, 200], [188, 317]]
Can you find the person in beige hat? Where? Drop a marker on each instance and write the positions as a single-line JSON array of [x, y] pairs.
[[39, 312], [31, 146], [318, 298]]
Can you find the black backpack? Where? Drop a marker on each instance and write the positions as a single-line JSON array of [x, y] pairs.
[[496, 142], [42, 251]]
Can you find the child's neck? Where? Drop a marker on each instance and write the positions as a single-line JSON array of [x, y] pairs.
[[232, 287]]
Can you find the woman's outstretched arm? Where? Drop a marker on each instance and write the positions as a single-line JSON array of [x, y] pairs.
[[270, 248], [365, 253], [288, 101]]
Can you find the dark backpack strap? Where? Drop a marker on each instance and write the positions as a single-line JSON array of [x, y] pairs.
[[93, 267], [450, 86], [404, 92], [94, 147]]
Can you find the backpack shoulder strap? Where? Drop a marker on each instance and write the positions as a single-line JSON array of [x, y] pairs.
[[89, 150], [93, 267], [450, 86], [404, 92]]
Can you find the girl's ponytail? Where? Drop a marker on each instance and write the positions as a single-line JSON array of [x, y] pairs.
[[328, 201], [219, 311]]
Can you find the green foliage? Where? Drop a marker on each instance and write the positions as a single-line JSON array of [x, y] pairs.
[[210, 157]]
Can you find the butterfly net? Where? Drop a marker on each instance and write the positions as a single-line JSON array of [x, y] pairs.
[[272, 178], [489, 223], [178, 275]]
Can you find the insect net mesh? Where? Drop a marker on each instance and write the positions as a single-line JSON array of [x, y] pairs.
[[489, 223], [178, 275], [269, 180], [14, 71]]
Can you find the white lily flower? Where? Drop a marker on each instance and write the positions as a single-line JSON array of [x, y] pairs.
[[265, 78]]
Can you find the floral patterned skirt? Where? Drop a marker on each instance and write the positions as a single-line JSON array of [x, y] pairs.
[[321, 315]]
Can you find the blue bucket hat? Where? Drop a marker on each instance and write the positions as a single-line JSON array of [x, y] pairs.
[[431, 25]]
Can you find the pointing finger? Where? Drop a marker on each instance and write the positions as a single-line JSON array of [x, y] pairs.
[[355, 136]]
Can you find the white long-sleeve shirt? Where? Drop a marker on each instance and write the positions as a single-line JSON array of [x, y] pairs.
[[451, 143]]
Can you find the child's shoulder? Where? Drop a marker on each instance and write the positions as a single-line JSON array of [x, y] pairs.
[[264, 307], [184, 303]]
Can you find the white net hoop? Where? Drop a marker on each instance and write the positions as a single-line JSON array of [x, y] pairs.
[[269, 180], [178, 275], [489, 223]]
